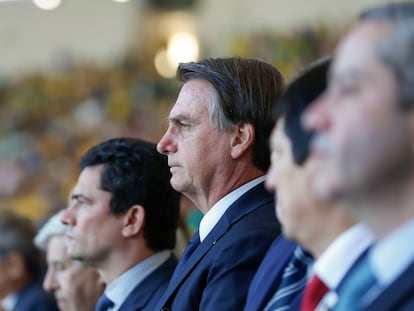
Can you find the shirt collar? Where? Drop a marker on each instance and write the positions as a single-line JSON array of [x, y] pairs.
[[392, 255], [9, 302], [212, 217], [119, 290], [341, 254]]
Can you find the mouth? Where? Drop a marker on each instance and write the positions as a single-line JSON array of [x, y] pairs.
[[319, 148], [69, 237]]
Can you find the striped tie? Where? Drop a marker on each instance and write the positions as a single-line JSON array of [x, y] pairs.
[[293, 281]]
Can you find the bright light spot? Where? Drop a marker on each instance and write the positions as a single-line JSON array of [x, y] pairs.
[[162, 65], [121, 1], [182, 47], [47, 4]]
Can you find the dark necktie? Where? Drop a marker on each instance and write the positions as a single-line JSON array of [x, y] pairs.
[[314, 293], [293, 281], [360, 280], [191, 247], [104, 303]]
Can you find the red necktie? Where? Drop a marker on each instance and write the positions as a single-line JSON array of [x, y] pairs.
[[314, 292]]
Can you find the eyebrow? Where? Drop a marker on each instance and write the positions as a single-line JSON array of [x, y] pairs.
[[345, 76], [179, 117], [79, 196]]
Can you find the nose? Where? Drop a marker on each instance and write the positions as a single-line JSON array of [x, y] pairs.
[[50, 283], [316, 117], [271, 179], [166, 145], [68, 217]]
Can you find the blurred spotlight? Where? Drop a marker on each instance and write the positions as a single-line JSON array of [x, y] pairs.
[[182, 47], [121, 1], [47, 4], [162, 65]]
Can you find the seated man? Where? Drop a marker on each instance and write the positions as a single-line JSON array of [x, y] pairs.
[[21, 267], [122, 220], [76, 288], [327, 232]]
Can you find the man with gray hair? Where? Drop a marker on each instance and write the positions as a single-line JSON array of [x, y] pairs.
[[218, 153], [364, 143], [76, 287]]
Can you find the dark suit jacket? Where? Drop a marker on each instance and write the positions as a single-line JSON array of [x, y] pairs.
[[217, 275], [34, 298], [269, 274], [399, 296], [147, 294]]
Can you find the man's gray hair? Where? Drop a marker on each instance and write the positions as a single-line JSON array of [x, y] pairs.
[[397, 49], [50, 229]]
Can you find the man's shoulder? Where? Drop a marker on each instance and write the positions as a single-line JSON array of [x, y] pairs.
[[399, 295]]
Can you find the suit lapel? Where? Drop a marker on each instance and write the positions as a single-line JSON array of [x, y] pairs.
[[270, 275], [141, 295], [251, 200], [399, 292]]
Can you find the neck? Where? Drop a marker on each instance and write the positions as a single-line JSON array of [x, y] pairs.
[[385, 209], [120, 262], [222, 186], [335, 221]]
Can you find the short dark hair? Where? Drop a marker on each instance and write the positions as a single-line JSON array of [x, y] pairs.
[[298, 96], [16, 235], [246, 90], [396, 48], [135, 173]]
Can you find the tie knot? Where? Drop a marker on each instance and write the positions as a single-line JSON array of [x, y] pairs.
[[301, 257], [104, 303]]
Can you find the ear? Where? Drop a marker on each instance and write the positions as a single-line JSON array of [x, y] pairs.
[[242, 139], [134, 221]]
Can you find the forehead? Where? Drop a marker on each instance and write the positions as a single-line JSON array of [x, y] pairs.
[[56, 248], [89, 179], [278, 137], [194, 95], [358, 51]]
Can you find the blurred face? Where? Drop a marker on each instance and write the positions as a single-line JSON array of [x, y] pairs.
[[194, 148], [4, 276], [75, 287], [363, 139], [293, 184], [93, 232]]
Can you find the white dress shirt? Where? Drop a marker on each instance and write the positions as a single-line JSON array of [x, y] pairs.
[[9, 302], [119, 290], [392, 255], [338, 258], [212, 217]]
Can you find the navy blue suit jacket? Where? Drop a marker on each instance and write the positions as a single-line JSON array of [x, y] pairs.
[[217, 275], [269, 274], [147, 294], [34, 298], [399, 296]]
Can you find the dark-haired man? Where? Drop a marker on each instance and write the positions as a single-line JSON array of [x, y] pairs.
[[122, 220], [327, 232]]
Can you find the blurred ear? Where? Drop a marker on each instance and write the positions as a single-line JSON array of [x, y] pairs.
[[242, 139], [134, 221]]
